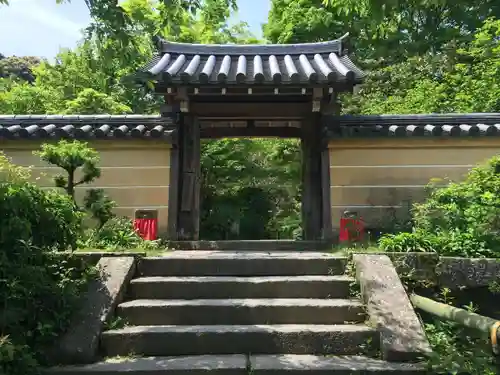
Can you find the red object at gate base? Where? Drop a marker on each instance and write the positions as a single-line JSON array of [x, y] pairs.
[[146, 224], [352, 228], [146, 228]]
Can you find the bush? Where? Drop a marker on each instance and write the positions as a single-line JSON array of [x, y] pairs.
[[458, 350], [39, 286], [116, 234], [43, 218], [460, 219]]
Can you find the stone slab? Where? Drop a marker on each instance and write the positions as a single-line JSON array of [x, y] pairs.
[[248, 245], [402, 337], [321, 365], [415, 266], [93, 257], [193, 365], [222, 263], [193, 287], [457, 273], [233, 339], [242, 311], [80, 343]]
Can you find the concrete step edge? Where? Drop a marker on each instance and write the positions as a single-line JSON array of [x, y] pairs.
[[242, 364], [247, 302], [244, 255], [293, 363], [204, 364], [240, 279], [271, 328]]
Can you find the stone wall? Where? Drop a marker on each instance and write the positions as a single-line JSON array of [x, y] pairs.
[[450, 272], [380, 178], [135, 174]]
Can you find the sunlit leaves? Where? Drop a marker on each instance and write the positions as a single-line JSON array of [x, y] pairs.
[[389, 29]]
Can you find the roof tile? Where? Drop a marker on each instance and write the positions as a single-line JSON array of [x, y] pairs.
[[307, 63], [436, 125], [85, 127]]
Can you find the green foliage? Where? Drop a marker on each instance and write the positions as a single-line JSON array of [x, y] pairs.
[[431, 83], [460, 219], [416, 241], [39, 287], [89, 101], [250, 189], [70, 156], [17, 67], [99, 205], [457, 349], [28, 99], [110, 234], [116, 234], [392, 30], [42, 218]]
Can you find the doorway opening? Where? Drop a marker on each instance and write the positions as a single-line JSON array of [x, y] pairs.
[[251, 189]]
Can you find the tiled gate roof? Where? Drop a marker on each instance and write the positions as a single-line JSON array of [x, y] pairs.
[[306, 63]]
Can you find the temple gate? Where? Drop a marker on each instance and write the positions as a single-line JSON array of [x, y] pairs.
[[216, 91]]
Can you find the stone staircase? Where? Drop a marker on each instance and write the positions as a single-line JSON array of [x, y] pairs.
[[224, 312]]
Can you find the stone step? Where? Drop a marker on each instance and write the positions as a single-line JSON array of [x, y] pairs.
[[192, 287], [244, 365], [241, 311], [189, 365], [252, 245], [290, 364], [226, 263], [227, 339]]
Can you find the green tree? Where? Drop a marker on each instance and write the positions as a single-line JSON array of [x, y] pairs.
[[18, 67], [448, 82], [392, 30], [89, 101], [250, 189], [72, 157]]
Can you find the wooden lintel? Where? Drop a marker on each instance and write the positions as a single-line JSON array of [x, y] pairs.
[[250, 110], [237, 132], [243, 89]]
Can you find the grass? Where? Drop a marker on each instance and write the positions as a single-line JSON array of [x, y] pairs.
[[346, 249], [145, 251]]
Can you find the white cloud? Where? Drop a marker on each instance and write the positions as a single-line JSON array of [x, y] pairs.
[[46, 16]]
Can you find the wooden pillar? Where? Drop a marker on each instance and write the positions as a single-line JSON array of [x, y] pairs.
[[188, 222], [311, 179]]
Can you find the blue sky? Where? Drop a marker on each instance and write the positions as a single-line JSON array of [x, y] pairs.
[[41, 28]]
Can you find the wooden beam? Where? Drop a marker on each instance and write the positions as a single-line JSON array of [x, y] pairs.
[[264, 110], [311, 178], [236, 132], [188, 227]]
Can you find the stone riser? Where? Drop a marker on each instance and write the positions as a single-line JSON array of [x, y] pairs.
[[197, 340], [230, 264], [240, 287], [245, 365], [256, 311], [258, 245]]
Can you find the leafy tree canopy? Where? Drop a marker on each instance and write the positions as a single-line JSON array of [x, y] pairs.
[[388, 29]]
